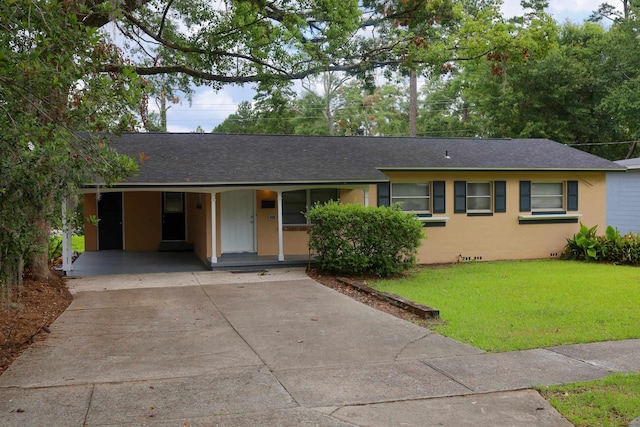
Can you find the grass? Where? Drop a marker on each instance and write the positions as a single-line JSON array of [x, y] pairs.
[[612, 401], [77, 243], [55, 245], [517, 305]]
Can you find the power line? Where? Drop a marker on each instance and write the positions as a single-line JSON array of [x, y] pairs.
[[584, 144]]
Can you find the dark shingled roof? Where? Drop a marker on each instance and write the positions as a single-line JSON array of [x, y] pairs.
[[221, 159]]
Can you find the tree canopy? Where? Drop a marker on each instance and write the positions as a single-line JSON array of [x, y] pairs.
[[529, 77]]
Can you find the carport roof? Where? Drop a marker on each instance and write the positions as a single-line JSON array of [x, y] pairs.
[[193, 159]]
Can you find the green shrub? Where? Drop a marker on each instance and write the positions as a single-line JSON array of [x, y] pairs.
[[612, 247], [354, 239]]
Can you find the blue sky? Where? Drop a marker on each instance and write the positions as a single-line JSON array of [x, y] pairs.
[[209, 108]]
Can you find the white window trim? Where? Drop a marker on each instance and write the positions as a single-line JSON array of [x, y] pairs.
[[564, 197], [550, 217], [433, 219], [490, 197], [429, 201]]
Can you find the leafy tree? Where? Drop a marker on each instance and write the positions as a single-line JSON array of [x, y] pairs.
[[311, 115], [244, 120], [578, 92], [50, 86], [273, 103], [621, 65], [271, 113], [444, 113], [57, 64], [326, 102]]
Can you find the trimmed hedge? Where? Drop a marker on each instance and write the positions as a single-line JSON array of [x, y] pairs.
[[611, 248], [354, 239]]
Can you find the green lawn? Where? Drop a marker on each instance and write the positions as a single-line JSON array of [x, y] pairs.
[[55, 245], [515, 305], [612, 401], [503, 306], [77, 243]]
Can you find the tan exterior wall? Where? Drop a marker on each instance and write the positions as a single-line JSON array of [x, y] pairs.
[[296, 241], [295, 238], [142, 220], [501, 236], [266, 223], [198, 211], [496, 237], [90, 231], [351, 197]]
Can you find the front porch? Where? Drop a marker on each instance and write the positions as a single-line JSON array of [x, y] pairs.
[[98, 263]]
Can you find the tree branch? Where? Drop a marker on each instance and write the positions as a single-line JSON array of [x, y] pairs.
[[98, 19], [164, 18]]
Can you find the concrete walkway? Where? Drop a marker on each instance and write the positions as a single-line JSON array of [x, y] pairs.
[[272, 349]]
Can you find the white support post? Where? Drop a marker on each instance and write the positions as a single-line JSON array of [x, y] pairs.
[[214, 238], [280, 238], [366, 197], [67, 262]]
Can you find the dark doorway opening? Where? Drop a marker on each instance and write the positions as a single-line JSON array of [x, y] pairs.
[[110, 224], [173, 218]]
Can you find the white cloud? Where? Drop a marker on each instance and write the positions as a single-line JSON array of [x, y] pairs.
[[561, 10]]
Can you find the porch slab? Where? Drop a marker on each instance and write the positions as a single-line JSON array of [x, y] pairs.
[[100, 263], [252, 262], [118, 262]]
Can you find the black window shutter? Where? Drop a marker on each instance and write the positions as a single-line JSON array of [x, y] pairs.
[[439, 201], [384, 194], [460, 196], [525, 196], [500, 196], [572, 195]]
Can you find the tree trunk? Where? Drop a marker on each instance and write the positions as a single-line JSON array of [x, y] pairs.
[[163, 109], [40, 258], [413, 103]]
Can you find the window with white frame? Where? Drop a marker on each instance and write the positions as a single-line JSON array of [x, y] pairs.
[[547, 196], [478, 197], [413, 197], [295, 203]]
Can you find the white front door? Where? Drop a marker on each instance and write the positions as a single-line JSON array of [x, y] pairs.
[[237, 212]]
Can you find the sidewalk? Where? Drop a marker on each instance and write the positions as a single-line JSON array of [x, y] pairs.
[[215, 348]]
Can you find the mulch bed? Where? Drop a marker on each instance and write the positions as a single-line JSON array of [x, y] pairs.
[[26, 316], [335, 283]]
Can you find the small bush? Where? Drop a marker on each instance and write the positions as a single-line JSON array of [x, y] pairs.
[[612, 247], [354, 239]]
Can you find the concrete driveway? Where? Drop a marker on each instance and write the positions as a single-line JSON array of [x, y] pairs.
[[215, 348]]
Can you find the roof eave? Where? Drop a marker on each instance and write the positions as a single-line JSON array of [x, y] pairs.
[[236, 183], [493, 169]]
